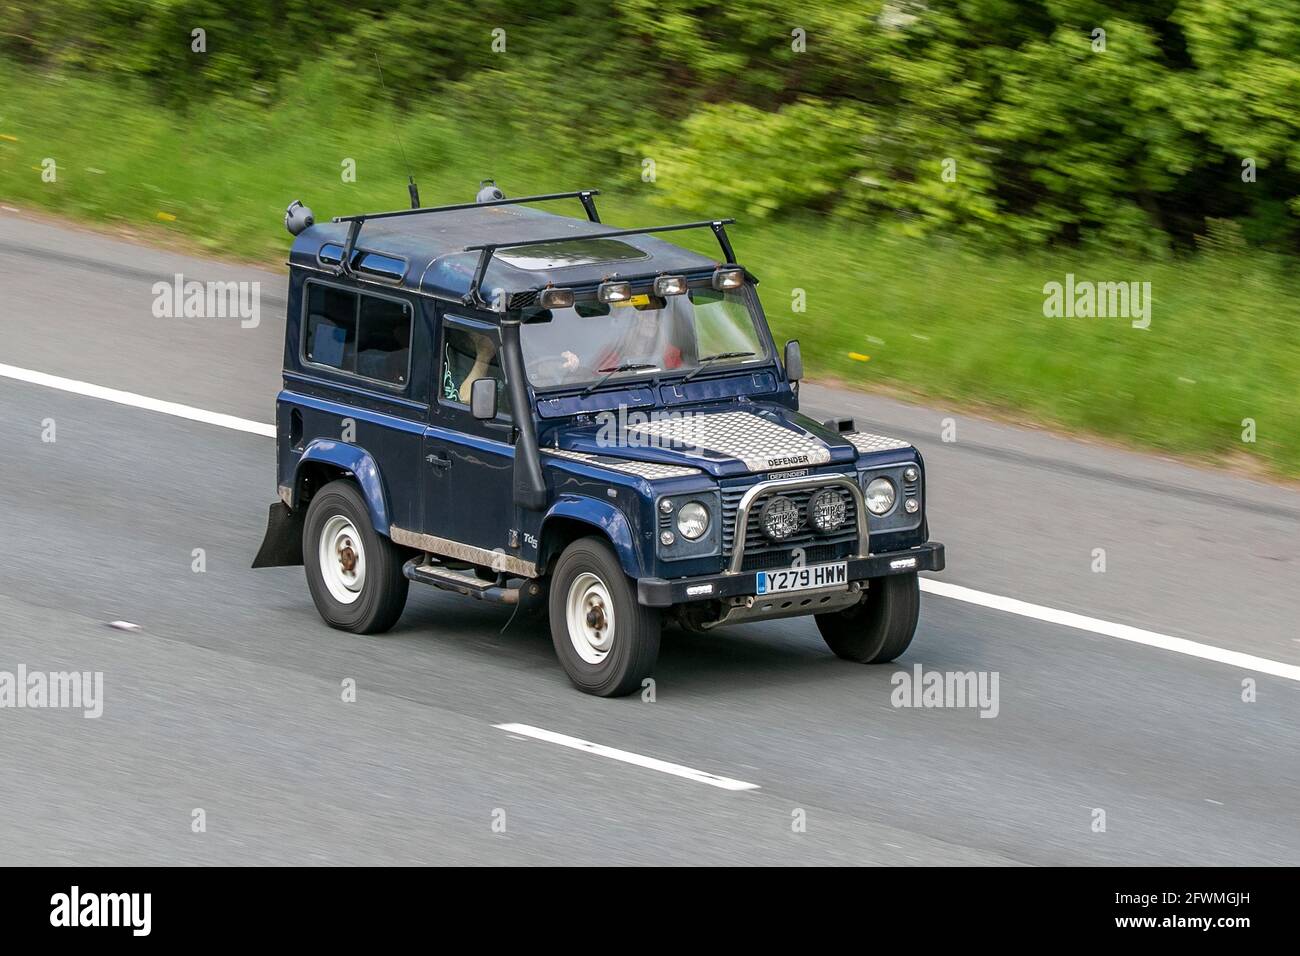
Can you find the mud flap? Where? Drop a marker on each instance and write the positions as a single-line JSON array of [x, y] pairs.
[[532, 604], [282, 546]]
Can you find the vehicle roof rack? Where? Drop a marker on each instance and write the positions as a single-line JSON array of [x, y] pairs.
[[488, 250], [585, 196]]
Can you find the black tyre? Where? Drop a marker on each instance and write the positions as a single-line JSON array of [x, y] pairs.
[[354, 573], [607, 642], [880, 626]]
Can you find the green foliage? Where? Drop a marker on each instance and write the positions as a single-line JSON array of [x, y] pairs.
[[924, 166], [938, 318], [1002, 121], [739, 158]]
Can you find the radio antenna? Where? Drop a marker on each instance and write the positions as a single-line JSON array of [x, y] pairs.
[[410, 177]]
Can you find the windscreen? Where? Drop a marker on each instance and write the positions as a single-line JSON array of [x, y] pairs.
[[648, 335]]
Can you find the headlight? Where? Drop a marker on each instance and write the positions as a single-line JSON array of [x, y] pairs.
[[827, 510], [779, 518], [693, 520], [880, 496]]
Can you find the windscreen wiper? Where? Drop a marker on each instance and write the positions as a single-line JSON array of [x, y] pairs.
[[614, 370], [713, 358]]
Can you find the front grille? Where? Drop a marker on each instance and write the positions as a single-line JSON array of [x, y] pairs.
[[782, 558], [762, 554]]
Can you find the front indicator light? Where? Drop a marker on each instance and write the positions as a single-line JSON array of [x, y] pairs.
[[666, 538], [693, 521], [911, 506], [779, 518], [880, 496]]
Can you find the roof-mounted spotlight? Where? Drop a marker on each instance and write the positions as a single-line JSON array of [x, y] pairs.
[[298, 218], [489, 191], [614, 291], [670, 285], [728, 278], [552, 298]]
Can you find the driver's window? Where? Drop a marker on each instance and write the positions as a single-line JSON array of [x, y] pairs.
[[470, 354]]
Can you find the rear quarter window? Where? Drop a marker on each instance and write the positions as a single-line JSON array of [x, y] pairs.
[[359, 334], [331, 337]]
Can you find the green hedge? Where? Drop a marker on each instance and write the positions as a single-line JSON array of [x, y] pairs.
[[851, 110]]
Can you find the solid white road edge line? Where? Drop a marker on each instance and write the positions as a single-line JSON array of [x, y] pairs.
[[1039, 612], [1123, 632], [137, 401], [600, 750]]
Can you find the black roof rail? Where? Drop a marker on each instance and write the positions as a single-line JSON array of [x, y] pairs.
[[585, 196], [582, 194], [487, 251]]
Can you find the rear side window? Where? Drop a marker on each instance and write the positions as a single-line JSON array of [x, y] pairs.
[[361, 334], [331, 327]]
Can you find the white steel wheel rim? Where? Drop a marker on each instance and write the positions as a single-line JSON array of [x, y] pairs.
[[589, 611], [342, 559]]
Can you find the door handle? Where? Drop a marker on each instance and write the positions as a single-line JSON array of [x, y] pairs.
[[438, 461]]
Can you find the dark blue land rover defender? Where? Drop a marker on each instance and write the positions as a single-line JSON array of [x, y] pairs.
[[585, 422]]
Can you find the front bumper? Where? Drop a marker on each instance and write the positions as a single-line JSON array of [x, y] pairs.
[[661, 592]]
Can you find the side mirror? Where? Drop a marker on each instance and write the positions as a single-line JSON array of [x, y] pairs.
[[793, 361], [483, 399]]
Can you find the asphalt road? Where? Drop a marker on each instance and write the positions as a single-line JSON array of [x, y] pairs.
[[229, 696]]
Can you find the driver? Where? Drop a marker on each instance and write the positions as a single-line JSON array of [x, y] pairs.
[[469, 356], [647, 339]]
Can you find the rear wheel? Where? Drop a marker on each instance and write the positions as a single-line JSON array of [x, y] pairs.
[[880, 626], [354, 573], [606, 641]]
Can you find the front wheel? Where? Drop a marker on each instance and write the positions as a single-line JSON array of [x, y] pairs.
[[606, 641], [354, 573], [880, 626]]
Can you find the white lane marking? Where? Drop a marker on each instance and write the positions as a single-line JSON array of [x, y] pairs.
[[124, 625], [1123, 632], [600, 750], [137, 401]]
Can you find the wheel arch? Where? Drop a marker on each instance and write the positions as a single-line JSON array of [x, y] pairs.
[[324, 461], [574, 517]]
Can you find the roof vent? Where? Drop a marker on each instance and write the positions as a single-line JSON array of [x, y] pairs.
[[488, 191]]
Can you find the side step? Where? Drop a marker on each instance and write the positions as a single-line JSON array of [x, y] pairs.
[[462, 582]]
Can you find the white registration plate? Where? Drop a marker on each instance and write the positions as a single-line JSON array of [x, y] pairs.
[[803, 579]]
